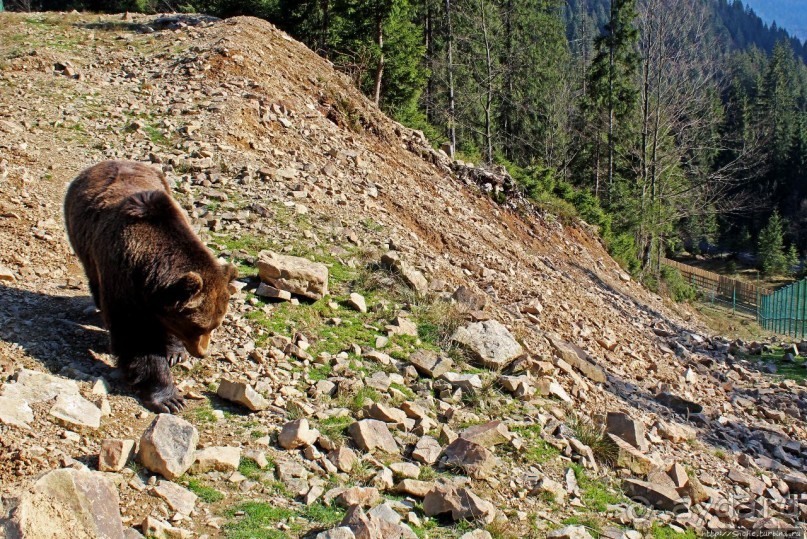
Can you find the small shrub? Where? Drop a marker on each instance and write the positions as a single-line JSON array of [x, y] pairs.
[[675, 286], [623, 249]]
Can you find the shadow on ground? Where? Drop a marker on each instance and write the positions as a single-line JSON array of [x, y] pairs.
[[62, 332]]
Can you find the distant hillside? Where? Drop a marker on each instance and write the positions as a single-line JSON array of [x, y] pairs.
[[738, 26], [788, 14]]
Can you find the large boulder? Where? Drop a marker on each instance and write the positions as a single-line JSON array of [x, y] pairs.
[[168, 446], [65, 504], [489, 342], [294, 274], [470, 457]]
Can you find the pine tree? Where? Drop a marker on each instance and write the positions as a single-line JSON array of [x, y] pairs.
[[770, 250], [612, 92]]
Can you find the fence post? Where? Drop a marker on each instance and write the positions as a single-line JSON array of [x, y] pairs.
[[763, 311], [790, 311], [776, 307], [796, 310], [801, 314]]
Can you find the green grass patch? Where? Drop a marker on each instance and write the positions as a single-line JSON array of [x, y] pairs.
[[316, 321], [249, 468], [258, 520], [665, 532], [334, 427], [595, 494], [320, 372], [324, 515], [408, 393], [538, 450], [784, 369], [356, 401], [202, 414], [155, 135], [262, 519], [205, 493], [249, 244]]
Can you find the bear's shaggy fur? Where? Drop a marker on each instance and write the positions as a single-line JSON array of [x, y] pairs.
[[159, 289]]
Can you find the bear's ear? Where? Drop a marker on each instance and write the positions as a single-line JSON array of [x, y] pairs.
[[184, 293], [230, 272], [147, 204]]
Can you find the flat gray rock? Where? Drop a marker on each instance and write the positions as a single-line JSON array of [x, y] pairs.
[[30, 387], [15, 412], [178, 498], [489, 342], [76, 412], [371, 434], [243, 394]]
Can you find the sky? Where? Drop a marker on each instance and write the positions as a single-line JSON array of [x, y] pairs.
[[789, 14]]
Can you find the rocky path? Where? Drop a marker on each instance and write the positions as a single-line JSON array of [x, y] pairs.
[[473, 366]]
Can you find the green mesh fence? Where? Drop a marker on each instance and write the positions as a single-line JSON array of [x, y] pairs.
[[785, 310]]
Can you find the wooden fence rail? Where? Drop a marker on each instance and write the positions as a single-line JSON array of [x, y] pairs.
[[740, 295]]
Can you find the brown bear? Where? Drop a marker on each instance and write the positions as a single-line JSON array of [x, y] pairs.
[[159, 289]]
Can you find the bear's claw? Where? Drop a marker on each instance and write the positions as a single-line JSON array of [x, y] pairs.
[[171, 405], [176, 359]]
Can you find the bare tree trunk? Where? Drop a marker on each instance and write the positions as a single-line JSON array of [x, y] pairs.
[[489, 86], [325, 28], [508, 102], [611, 106], [379, 71], [647, 42], [597, 170], [429, 62], [452, 129]]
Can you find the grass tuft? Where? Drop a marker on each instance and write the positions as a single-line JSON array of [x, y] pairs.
[[594, 436]]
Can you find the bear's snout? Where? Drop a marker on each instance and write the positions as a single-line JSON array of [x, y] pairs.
[[198, 347]]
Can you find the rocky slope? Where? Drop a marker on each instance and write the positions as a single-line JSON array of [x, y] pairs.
[[457, 376]]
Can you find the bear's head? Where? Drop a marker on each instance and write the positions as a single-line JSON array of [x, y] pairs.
[[195, 304]]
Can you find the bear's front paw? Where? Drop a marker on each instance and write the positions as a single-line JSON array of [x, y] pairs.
[[171, 404]]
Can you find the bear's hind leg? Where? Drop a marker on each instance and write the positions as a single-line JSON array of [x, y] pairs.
[[150, 377]]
